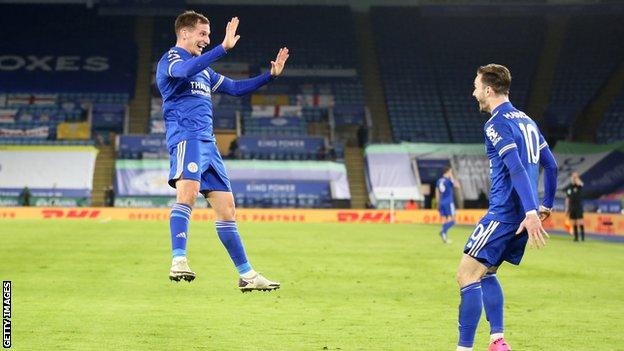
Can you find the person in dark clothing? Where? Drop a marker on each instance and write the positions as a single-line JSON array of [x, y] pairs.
[[24, 197], [482, 200], [109, 195], [362, 136], [233, 150], [574, 205]]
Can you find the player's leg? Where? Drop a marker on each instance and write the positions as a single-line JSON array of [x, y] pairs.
[[445, 213], [490, 244], [575, 227], [222, 202], [223, 205], [451, 221], [493, 303], [186, 192], [581, 226], [493, 300], [215, 185], [442, 214], [469, 274], [184, 177], [445, 220]]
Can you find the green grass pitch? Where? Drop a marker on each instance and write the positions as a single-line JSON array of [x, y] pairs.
[[81, 285]]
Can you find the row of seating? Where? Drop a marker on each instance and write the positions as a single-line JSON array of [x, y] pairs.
[[35, 141], [292, 201], [585, 63], [428, 65], [611, 128]]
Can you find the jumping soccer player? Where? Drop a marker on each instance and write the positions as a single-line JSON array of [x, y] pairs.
[[516, 149], [446, 205], [186, 83]]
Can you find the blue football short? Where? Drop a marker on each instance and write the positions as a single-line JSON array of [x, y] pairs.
[[199, 160], [447, 209], [494, 242]]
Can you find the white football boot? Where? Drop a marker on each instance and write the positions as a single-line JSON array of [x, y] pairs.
[[257, 282], [180, 270]]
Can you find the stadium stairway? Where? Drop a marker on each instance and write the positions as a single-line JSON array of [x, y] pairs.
[[371, 79], [539, 94], [354, 161], [586, 125], [140, 105], [103, 174]]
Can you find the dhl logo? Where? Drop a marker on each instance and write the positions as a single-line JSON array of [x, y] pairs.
[[60, 213], [364, 217]]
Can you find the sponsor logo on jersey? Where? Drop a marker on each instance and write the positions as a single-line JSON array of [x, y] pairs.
[[200, 88]]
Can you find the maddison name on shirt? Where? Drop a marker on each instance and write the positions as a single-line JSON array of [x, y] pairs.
[[515, 114]]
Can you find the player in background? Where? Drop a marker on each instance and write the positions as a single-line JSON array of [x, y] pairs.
[[186, 83], [574, 205], [516, 149], [445, 201]]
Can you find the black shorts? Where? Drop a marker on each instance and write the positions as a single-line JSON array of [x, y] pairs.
[[576, 213]]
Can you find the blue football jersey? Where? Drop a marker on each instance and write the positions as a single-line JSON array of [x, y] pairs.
[[445, 187], [506, 130], [187, 102]]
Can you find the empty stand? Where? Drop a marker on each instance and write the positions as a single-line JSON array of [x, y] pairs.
[[591, 52]]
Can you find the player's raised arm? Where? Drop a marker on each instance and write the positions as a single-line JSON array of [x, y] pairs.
[[231, 38], [179, 68], [277, 66], [455, 182], [223, 84], [547, 160], [194, 39]]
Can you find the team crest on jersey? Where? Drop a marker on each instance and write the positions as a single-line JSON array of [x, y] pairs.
[[173, 55], [192, 167], [492, 134]]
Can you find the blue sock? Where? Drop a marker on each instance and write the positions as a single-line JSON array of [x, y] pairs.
[[450, 224], [447, 225], [469, 313], [493, 302], [231, 240], [179, 223]]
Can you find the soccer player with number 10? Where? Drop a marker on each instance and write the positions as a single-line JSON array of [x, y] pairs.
[[516, 149]]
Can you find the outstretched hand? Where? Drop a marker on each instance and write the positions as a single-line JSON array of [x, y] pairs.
[[277, 66], [231, 38], [534, 228]]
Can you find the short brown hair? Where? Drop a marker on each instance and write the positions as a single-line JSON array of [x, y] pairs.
[[189, 19], [497, 77]]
